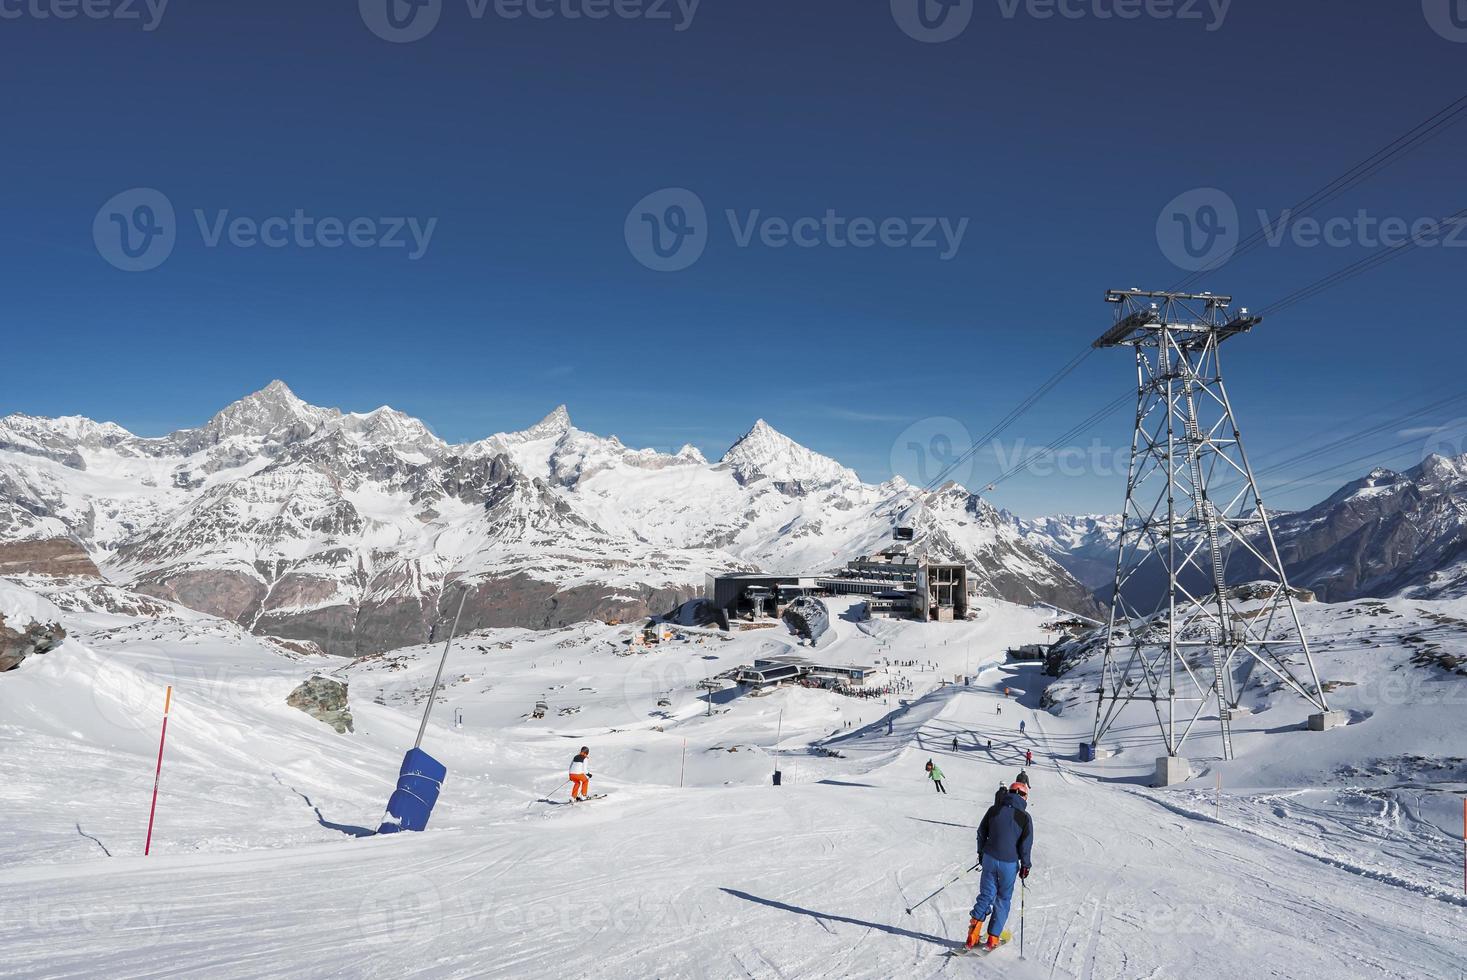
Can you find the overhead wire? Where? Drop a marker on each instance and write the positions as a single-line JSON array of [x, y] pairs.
[[1409, 141]]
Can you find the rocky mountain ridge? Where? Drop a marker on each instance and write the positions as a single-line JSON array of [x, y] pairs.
[[1383, 535], [354, 530]]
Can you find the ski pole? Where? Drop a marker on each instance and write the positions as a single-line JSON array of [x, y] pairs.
[[944, 887], [1023, 890]]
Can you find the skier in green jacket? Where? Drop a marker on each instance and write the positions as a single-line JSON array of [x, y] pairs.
[[935, 774]]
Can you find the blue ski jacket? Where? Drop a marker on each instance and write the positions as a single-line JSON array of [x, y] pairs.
[[1007, 831]]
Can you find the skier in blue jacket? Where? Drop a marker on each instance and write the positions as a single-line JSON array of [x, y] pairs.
[[1005, 837]]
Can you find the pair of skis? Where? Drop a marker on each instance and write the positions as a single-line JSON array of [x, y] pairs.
[[980, 949], [584, 799]]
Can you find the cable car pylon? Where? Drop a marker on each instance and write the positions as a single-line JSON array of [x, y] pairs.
[[1191, 501]]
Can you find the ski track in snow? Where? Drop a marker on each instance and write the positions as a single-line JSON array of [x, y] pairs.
[[1375, 874]]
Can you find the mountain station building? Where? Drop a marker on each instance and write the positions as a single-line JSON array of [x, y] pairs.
[[895, 582]]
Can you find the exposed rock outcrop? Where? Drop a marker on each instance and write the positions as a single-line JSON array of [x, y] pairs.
[[808, 618], [57, 557], [325, 700], [21, 641]]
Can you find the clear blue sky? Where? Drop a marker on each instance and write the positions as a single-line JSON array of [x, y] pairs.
[[529, 141]]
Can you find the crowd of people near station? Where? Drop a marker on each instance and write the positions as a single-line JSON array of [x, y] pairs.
[[837, 687]]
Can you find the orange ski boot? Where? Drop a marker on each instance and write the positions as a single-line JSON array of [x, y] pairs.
[[993, 942], [975, 932]]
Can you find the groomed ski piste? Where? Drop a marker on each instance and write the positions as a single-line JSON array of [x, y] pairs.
[[1333, 854]]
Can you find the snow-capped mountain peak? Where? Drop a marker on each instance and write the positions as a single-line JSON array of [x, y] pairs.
[[766, 453], [557, 423], [691, 453], [58, 438], [1441, 470], [387, 426], [271, 409]]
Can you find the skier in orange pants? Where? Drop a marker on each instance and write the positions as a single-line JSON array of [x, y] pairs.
[[580, 781]]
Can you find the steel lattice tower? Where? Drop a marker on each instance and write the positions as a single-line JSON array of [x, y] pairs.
[[1191, 502]]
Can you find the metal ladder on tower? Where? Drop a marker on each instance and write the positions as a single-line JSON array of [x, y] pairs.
[[1224, 713], [1208, 515]]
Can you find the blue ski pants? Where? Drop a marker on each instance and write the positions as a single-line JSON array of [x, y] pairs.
[[996, 893]]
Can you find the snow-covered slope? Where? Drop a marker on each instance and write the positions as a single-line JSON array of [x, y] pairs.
[[1324, 854], [346, 529], [1383, 794]]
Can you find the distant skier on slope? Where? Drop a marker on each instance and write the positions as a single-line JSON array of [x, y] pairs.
[[935, 774], [580, 779], [1005, 838], [1021, 727], [1028, 757], [955, 743]]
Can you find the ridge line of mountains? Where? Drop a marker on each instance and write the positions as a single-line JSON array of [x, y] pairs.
[[347, 530], [1387, 534]]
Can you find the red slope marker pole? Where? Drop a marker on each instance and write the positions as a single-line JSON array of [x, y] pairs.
[[158, 773]]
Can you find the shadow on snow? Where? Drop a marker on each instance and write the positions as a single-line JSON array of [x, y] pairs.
[[822, 917]]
